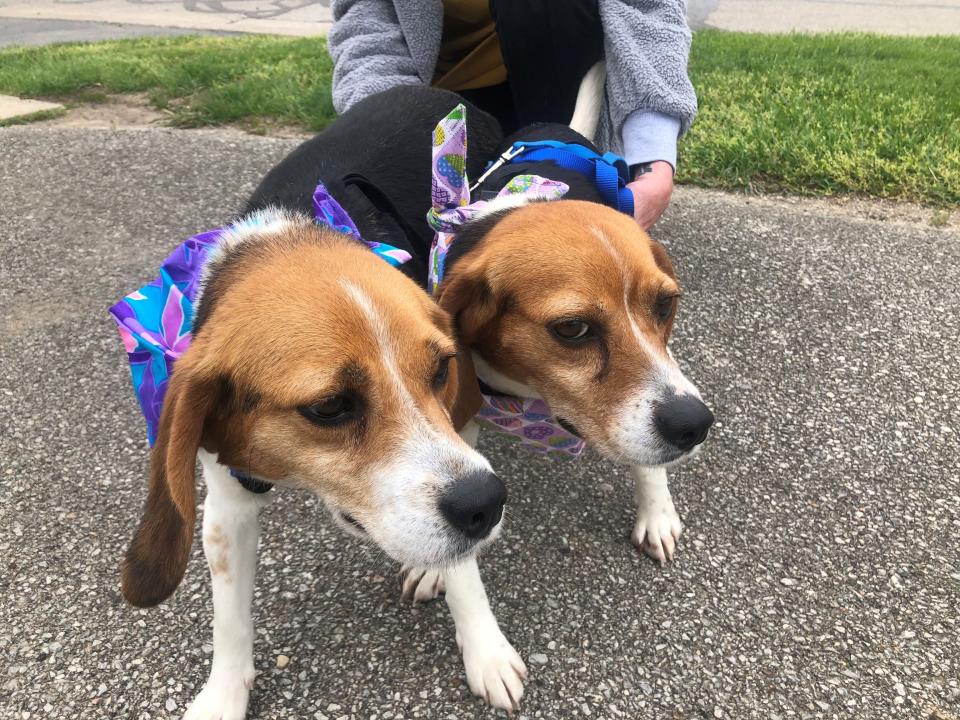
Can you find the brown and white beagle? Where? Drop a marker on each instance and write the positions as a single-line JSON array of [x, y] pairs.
[[583, 324], [313, 366], [568, 301]]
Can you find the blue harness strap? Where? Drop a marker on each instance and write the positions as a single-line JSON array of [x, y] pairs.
[[608, 172]]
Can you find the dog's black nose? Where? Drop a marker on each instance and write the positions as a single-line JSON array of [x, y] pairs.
[[683, 421], [474, 504]]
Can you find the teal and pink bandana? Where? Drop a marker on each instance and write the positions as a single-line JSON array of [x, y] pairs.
[[528, 421], [155, 322]]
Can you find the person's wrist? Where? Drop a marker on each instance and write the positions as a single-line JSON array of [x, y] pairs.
[[657, 166], [651, 190]]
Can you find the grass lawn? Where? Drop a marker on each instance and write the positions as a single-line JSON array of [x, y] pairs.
[[821, 114]]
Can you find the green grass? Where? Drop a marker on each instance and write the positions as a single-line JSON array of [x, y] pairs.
[[33, 117], [202, 80], [822, 115], [827, 114]]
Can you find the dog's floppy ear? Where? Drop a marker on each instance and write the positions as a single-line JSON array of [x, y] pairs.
[[158, 554], [462, 396], [467, 295], [465, 292]]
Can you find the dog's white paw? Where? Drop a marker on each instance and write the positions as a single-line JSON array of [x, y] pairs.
[[657, 531], [421, 585], [224, 697], [495, 671]]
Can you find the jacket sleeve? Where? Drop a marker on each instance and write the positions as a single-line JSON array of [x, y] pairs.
[[369, 51], [646, 44]]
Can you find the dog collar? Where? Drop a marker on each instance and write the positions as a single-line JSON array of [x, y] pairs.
[[156, 321]]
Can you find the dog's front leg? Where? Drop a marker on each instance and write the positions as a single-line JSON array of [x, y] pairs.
[[658, 526], [231, 530], [495, 671]]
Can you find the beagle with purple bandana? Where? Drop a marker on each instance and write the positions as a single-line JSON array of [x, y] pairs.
[[299, 359]]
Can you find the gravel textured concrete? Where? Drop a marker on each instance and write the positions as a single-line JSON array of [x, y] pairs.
[[44, 32], [819, 575]]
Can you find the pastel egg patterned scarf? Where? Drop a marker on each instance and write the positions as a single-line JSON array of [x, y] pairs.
[[528, 421]]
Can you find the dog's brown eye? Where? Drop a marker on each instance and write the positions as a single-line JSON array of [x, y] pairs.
[[334, 410], [442, 374], [571, 331], [664, 307]]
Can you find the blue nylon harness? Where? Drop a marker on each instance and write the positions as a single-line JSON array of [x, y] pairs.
[[608, 172]]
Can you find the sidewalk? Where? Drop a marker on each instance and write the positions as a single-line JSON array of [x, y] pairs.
[[888, 17], [313, 17], [299, 17], [818, 575]]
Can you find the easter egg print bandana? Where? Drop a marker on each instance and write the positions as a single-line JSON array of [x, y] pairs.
[[155, 322], [528, 421], [450, 190]]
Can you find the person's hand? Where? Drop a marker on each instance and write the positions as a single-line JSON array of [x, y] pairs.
[[651, 193]]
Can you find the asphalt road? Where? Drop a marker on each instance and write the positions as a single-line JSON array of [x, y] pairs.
[[819, 575]]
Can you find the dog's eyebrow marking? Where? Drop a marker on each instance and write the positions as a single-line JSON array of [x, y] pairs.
[[441, 349], [666, 366], [351, 372], [382, 334], [348, 376], [612, 251], [235, 399]]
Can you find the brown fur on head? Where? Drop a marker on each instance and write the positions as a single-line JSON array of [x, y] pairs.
[[295, 324], [532, 274]]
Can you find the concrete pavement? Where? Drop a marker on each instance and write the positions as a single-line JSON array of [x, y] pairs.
[[819, 575], [41, 21], [14, 31], [14, 107], [279, 17], [888, 17]]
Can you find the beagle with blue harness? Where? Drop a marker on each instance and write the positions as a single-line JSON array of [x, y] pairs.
[[565, 304]]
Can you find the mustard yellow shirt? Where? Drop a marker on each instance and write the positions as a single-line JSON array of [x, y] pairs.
[[469, 49]]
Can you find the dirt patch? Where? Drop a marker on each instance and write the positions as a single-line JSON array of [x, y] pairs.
[[134, 110], [113, 111]]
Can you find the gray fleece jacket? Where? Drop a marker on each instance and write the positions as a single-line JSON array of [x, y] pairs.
[[649, 101]]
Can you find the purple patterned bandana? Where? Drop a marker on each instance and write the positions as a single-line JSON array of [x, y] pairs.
[[528, 421], [155, 322], [525, 420], [450, 189]]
